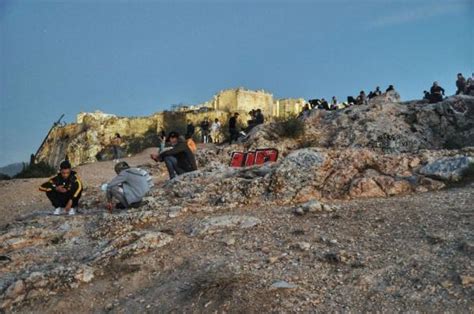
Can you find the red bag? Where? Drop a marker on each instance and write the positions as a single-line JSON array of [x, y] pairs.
[[258, 157], [237, 159], [249, 159], [265, 155]]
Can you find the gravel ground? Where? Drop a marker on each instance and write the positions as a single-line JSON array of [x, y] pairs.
[[410, 253]]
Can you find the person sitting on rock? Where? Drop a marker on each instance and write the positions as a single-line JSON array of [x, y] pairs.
[[390, 88], [179, 159], [470, 86], [325, 104], [437, 93], [259, 117], [305, 112], [460, 84], [64, 190], [128, 187], [427, 95], [361, 99]]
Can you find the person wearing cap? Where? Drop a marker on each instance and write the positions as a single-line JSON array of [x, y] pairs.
[[179, 159], [63, 190], [128, 187]]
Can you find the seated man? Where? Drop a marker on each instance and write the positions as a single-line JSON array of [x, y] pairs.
[[437, 93], [63, 190], [128, 187], [259, 118], [179, 159], [427, 95]]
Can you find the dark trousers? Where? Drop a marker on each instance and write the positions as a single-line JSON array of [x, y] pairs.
[[172, 165], [234, 135], [61, 199]]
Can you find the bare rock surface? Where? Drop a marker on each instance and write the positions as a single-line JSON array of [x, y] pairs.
[[338, 225]]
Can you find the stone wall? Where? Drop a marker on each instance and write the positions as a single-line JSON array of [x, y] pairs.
[[243, 100], [90, 138]]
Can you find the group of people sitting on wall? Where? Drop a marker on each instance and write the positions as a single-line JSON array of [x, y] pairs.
[[463, 87], [128, 187], [210, 132]]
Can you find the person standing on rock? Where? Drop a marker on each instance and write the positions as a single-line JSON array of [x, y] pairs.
[[190, 129], [234, 132], [460, 84], [216, 131], [205, 130], [128, 187], [116, 147], [179, 159], [63, 190]]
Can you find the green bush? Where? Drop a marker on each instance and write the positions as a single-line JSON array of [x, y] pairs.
[[290, 126], [38, 170], [4, 177]]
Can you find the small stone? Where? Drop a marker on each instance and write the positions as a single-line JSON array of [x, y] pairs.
[[281, 284], [467, 281], [303, 246], [15, 289], [272, 259], [298, 211]]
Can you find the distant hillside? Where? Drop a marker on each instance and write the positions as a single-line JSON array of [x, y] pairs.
[[12, 169]]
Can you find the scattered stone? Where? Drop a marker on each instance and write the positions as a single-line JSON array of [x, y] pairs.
[[281, 284], [214, 224], [467, 281]]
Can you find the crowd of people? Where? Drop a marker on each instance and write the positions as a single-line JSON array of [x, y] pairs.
[[463, 87], [177, 152], [210, 132]]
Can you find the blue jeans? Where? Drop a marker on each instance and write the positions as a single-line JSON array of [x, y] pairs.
[[172, 166]]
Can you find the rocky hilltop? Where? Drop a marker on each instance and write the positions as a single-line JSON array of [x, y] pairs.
[[369, 210]]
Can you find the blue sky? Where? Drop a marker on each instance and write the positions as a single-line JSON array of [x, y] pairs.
[[137, 57]]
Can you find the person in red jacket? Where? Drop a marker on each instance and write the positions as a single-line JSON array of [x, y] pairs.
[[63, 190]]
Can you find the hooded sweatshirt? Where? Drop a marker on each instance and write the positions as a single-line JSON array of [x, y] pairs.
[[134, 182]]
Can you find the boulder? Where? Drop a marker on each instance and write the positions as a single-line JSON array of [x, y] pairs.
[[449, 169]]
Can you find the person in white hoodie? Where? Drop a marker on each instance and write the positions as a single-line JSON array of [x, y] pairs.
[[128, 187]]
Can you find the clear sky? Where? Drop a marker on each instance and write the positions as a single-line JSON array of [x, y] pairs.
[[139, 57]]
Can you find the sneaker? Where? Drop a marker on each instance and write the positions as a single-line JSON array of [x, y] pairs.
[[57, 211], [72, 212]]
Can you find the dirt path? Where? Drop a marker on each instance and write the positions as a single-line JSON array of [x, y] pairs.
[[21, 196]]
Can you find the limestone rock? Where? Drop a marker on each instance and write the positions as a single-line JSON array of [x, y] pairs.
[[449, 169], [214, 224]]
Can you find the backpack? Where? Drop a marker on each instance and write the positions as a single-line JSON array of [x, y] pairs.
[[192, 146]]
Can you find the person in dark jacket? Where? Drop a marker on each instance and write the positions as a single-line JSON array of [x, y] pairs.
[[190, 129], [234, 132], [460, 84], [205, 126], [390, 88], [179, 159], [64, 190], [259, 118], [437, 93]]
